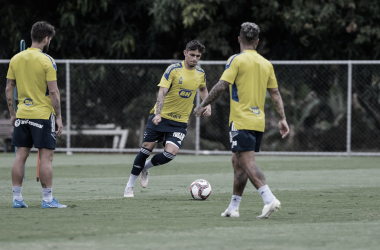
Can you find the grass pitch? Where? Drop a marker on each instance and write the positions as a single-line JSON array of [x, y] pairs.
[[327, 203]]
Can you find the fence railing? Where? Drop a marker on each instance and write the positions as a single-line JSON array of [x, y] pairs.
[[332, 107]]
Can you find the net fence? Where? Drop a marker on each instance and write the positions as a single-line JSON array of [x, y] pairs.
[[332, 107]]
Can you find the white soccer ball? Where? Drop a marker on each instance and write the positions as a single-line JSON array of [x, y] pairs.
[[200, 189]]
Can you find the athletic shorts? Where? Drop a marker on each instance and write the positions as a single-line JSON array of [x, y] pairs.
[[167, 131], [38, 132], [245, 140]]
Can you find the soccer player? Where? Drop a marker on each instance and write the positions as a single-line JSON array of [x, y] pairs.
[[170, 115], [248, 76], [38, 119]]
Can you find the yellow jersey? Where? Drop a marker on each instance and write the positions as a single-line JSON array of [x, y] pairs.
[[32, 69], [182, 84], [249, 75]]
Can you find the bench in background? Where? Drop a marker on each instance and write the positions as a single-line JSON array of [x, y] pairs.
[[120, 136]]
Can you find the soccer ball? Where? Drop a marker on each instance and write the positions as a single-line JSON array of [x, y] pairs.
[[200, 189]]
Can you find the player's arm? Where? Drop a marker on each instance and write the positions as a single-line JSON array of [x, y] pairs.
[[9, 92], [279, 105], [204, 93], [56, 102], [214, 94], [162, 92]]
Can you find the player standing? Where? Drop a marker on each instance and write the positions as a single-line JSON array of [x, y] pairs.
[[248, 76], [39, 111], [171, 113]]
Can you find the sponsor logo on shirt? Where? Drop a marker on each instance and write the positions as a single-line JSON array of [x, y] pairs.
[[185, 93], [174, 115], [28, 102]]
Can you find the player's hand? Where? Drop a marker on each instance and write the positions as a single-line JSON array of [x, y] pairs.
[[13, 120], [58, 125], [283, 127], [198, 110], [156, 119], [207, 111]]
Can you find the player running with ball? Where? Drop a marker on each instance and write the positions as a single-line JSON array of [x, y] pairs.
[[170, 115], [248, 76]]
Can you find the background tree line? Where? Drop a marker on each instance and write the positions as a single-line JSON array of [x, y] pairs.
[[159, 29]]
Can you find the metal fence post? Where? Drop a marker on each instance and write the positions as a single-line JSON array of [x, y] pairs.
[[68, 111], [197, 125], [349, 105]]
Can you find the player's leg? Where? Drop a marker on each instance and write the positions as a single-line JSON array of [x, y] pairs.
[[247, 161], [151, 136], [240, 181], [138, 165], [173, 142], [18, 175], [44, 137], [23, 140], [46, 179]]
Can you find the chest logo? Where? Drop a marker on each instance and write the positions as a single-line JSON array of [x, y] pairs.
[[180, 80], [28, 102], [185, 93]]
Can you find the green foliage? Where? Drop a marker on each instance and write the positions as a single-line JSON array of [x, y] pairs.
[[292, 29]]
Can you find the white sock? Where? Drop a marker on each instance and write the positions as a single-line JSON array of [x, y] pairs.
[[17, 193], [266, 194], [235, 202], [132, 180], [148, 164], [47, 195]]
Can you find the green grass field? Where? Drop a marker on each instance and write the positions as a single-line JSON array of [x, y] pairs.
[[327, 203]]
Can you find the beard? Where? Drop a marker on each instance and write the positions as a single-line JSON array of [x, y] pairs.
[[45, 48]]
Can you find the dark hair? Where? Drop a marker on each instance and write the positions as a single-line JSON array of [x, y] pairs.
[[249, 31], [40, 30], [195, 45]]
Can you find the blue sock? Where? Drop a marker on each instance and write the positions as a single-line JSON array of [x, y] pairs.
[[162, 158], [140, 159]]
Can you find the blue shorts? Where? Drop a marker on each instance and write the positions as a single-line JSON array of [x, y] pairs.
[[167, 131], [245, 140], [38, 132]]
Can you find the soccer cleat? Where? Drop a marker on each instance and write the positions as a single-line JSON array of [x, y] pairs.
[[128, 192], [19, 204], [53, 204], [234, 213], [144, 178], [269, 209]]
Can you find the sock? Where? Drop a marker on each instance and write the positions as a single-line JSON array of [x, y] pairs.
[[47, 195], [235, 202], [140, 159], [162, 158], [17, 193], [266, 194], [148, 164], [132, 180]]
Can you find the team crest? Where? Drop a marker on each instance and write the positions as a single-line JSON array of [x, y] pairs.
[[180, 80], [255, 110], [17, 123], [28, 102]]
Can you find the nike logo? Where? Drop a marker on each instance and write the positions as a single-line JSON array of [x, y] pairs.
[[136, 166]]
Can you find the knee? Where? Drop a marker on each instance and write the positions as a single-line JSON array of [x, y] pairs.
[[22, 155]]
